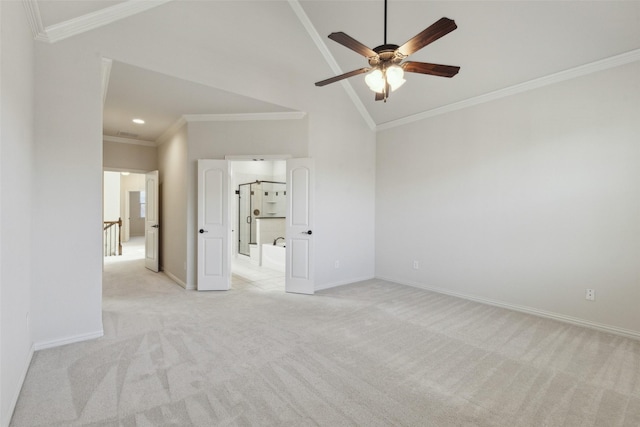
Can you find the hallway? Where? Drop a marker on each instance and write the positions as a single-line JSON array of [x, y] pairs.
[[244, 273]]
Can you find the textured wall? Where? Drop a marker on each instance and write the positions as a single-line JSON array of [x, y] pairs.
[[16, 192], [129, 157], [528, 200]]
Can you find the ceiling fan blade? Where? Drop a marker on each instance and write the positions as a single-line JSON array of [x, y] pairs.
[[379, 96], [343, 76], [432, 69], [439, 29], [352, 44]]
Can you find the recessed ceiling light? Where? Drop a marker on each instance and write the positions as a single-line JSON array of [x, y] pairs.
[[138, 121]]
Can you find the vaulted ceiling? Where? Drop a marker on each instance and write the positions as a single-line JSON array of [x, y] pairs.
[[502, 47]]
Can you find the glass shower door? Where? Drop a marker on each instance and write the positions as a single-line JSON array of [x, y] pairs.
[[244, 218]]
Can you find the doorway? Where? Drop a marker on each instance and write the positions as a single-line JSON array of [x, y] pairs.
[[136, 213], [217, 230], [258, 213], [258, 201], [124, 198]]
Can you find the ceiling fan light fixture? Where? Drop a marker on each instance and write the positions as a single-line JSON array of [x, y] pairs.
[[395, 76], [375, 80], [386, 69]]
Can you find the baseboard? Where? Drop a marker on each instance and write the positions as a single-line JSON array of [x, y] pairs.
[[341, 283], [178, 281], [16, 395], [628, 333], [68, 340]]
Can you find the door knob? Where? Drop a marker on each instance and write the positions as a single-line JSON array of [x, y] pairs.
[[307, 232], [203, 231], [156, 226]]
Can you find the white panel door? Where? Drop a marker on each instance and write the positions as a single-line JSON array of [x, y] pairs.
[[214, 231], [151, 223], [299, 229]]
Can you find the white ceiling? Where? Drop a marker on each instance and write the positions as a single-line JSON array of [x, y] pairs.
[[161, 100], [498, 45]]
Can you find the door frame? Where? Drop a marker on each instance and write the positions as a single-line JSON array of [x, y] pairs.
[[124, 204], [152, 209], [246, 158], [230, 193], [269, 157], [126, 221]]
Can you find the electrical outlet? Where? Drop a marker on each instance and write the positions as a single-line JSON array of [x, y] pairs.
[[591, 295], [336, 264], [416, 265]]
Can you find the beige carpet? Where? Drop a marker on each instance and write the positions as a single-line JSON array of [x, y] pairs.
[[367, 354]]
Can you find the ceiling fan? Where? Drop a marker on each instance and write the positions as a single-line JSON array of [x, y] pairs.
[[386, 69]]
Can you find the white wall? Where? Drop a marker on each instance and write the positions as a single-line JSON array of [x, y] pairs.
[[2, 386], [16, 189], [111, 196], [526, 201], [215, 140], [345, 196], [67, 292], [172, 159], [131, 182], [166, 40], [129, 157], [245, 171]]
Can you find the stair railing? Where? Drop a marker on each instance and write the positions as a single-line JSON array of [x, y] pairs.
[[113, 237]]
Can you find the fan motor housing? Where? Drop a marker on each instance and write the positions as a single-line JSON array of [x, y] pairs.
[[386, 53]]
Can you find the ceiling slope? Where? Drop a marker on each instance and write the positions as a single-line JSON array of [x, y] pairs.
[[503, 47]]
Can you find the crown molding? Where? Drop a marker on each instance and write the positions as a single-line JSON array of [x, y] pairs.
[[106, 73], [171, 130], [132, 141], [81, 24], [190, 118], [322, 47], [284, 115], [35, 20], [99, 18], [572, 73]]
